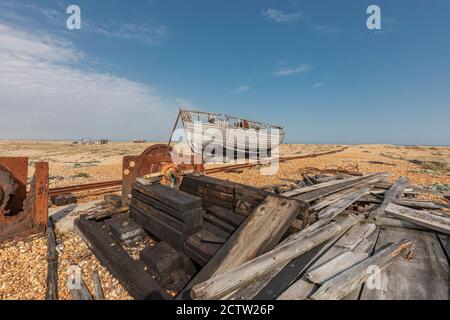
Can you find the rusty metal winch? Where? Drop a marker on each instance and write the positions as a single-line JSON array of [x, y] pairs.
[[154, 160], [22, 213]]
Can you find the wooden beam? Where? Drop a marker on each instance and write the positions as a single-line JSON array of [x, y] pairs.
[[52, 263], [350, 279], [397, 223], [335, 266], [322, 185], [233, 279], [259, 233], [97, 286], [267, 224], [138, 282], [329, 214], [303, 288], [392, 195], [421, 218]]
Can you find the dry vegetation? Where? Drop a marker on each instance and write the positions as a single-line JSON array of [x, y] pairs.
[[23, 264]]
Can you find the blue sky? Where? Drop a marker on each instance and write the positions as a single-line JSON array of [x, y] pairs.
[[310, 66]]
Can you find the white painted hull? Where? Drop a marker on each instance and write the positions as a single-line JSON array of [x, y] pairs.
[[234, 140]]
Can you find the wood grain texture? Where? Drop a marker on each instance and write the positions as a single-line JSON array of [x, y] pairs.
[[303, 288], [421, 218], [350, 279], [423, 277], [233, 279]]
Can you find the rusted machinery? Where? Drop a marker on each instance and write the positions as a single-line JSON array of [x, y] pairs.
[[155, 160], [22, 213]]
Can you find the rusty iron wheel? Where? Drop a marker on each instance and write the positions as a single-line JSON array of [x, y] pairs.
[[157, 150]]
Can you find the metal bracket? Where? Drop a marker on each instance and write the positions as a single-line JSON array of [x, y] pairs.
[[25, 213]]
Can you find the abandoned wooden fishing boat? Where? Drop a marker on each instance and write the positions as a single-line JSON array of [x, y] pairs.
[[233, 135]]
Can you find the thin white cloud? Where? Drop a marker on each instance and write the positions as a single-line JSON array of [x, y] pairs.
[[292, 71], [47, 92], [281, 17], [143, 33], [318, 84], [240, 89]]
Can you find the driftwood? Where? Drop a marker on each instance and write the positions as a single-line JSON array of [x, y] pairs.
[[335, 266], [397, 223], [81, 293], [265, 227], [97, 286], [303, 288], [52, 263], [319, 186], [335, 186], [232, 280], [329, 214], [108, 214], [350, 279], [416, 204], [392, 195], [259, 233], [422, 218]]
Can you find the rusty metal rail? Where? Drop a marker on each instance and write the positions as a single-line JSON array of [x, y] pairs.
[[110, 184], [84, 187]]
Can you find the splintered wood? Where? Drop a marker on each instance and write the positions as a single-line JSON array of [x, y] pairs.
[[321, 237]]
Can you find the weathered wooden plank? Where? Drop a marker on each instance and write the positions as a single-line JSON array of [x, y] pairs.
[[392, 195], [423, 277], [219, 223], [354, 236], [138, 282], [417, 204], [269, 233], [158, 228], [52, 263], [97, 286], [323, 185], [183, 216], [176, 199], [445, 243], [280, 282], [266, 226], [213, 229], [192, 182], [397, 223], [228, 282], [335, 266], [182, 226], [350, 279], [277, 281], [314, 195], [227, 215], [422, 218], [303, 288], [161, 258]]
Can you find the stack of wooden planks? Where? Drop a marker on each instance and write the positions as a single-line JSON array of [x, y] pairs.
[[329, 237], [236, 197], [342, 250], [168, 214], [218, 225]]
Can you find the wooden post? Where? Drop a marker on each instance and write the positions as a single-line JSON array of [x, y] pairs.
[[52, 264]]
